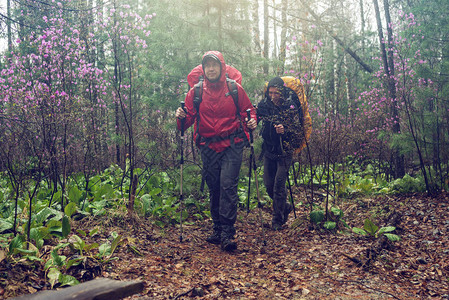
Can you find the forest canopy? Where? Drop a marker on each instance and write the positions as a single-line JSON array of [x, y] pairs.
[[87, 84]]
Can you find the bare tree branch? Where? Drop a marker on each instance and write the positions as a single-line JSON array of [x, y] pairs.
[[337, 39]]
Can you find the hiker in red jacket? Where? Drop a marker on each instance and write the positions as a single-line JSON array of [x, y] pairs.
[[221, 133]]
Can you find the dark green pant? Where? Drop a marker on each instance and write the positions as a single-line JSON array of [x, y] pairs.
[[274, 176]]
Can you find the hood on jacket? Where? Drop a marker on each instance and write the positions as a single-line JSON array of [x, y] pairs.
[[217, 56], [276, 82]]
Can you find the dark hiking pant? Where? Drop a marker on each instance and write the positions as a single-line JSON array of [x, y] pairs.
[[221, 171], [274, 177]]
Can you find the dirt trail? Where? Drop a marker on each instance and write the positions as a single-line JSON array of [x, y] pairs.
[[300, 262]]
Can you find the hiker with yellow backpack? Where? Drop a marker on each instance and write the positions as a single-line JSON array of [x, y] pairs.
[[286, 127]]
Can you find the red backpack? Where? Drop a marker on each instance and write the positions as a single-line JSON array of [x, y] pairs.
[[197, 72]]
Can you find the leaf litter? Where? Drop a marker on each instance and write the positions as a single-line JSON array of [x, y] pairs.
[[302, 261]]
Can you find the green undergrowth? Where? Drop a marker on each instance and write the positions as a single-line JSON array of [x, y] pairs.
[[24, 236]]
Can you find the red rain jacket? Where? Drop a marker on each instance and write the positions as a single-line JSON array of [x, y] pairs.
[[217, 111]]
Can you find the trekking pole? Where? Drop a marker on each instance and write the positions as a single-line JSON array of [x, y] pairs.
[[259, 204], [288, 176], [181, 162], [249, 179]]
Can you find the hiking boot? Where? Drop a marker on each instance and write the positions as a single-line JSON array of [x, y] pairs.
[[227, 238], [287, 210], [228, 244], [276, 227], [214, 238]]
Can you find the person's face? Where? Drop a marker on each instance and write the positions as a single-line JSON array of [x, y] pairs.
[[212, 69], [275, 95]]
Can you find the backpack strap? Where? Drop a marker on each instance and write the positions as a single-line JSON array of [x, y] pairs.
[[234, 92], [197, 98], [198, 94]]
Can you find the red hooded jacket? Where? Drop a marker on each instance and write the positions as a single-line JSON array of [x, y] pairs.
[[217, 111]]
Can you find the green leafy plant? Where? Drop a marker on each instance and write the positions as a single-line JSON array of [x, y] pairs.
[[317, 216], [335, 218], [6, 224], [106, 250], [77, 244], [408, 184], [56, 276], [18, 246], [57, 265], [101, 252], [372, 230]]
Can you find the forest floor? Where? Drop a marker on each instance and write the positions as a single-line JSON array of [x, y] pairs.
[[299, 262]]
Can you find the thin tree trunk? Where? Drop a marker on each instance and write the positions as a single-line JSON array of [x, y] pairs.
[[117, 85], [30, 202], [412, 126], [282, 53], [437, 145], [334, 104], [347, 89], [256, 31], [8, 25], [104, 161], [398, 159], [275, 30], [362, 24], [265, 37], [220, 25], [132, 194], [130, 126]]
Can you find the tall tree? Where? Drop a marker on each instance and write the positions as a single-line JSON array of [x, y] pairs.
[[255, 27], [388, 66], [8, 25], [266, 34], [283, 46]]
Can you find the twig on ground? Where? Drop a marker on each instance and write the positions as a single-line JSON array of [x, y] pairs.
[[368, 287], [183, 294]]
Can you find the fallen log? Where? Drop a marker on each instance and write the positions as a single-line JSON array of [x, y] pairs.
[[97, 289]]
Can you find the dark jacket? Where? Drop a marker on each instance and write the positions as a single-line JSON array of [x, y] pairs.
[[288, 114]]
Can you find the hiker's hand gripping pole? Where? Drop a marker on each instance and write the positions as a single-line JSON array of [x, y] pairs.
[[181, 162], [253, 163]]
